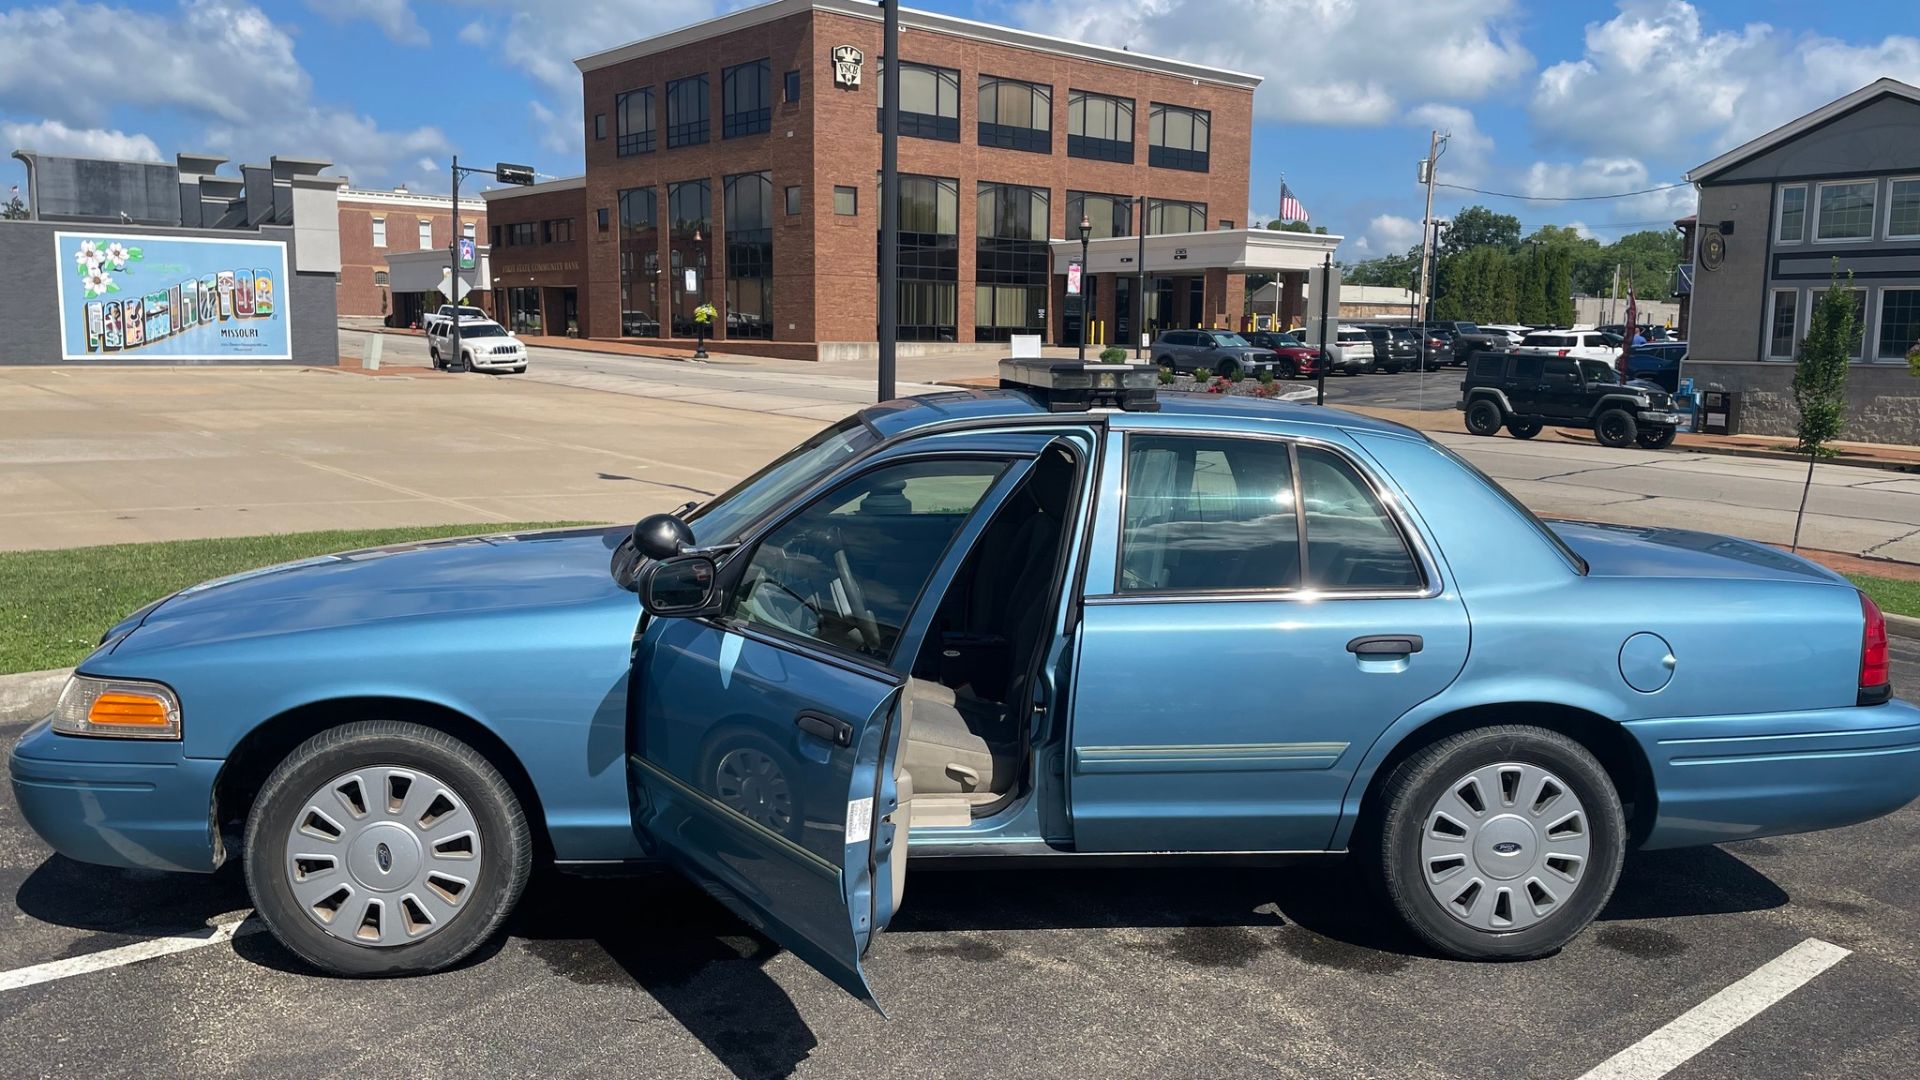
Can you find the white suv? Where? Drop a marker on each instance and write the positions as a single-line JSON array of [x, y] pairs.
[[1579, 344], [485, 345]]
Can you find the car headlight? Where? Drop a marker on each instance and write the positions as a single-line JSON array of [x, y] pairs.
[[117, 708]]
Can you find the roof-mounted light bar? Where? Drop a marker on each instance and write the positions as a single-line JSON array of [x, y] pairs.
[[1070, 386]]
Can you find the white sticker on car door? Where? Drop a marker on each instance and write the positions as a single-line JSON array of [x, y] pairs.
[[859, 820]]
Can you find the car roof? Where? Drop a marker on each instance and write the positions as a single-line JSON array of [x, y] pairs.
[[988, 407]]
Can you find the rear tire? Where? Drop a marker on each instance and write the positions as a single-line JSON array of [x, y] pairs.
[[1616, 428], [1483, 417], [376, 841], [1522, 875], [1657, 438], [1523, 429]]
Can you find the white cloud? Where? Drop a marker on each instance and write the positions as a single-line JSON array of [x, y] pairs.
[[1391, 234], [54, 137], [544, 44], [1608, 176], [559, 132], [1469, 150], [223, 63], [1325, 61], [395, 18], [475, 33], [1657, 82]]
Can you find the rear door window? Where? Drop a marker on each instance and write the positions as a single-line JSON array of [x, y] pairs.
[[1353, 545], [1208, 514], [1526, 369]]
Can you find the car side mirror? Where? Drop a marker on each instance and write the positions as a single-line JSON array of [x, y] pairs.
[[679, 587], [662, 536]]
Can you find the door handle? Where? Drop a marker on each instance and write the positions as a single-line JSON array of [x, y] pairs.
[[1385, 645], [826, 728]]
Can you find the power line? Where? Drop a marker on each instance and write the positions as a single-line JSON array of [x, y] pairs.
[[1564, 198]]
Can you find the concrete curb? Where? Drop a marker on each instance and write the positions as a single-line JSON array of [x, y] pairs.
[[31, 694], [1903, 626]]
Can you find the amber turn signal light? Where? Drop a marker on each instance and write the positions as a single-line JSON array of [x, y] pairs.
[[122, 708]]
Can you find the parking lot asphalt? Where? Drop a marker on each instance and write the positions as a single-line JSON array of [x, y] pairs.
[[1188, 972]]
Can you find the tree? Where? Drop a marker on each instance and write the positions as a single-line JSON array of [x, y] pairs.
[[1399, 271], [1477, 226], [1820, 378], [1475, 286], [13, 209], [1296, 226]]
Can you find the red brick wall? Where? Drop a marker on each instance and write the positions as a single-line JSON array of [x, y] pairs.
[[824, 287], [548, 265], [359, 259]]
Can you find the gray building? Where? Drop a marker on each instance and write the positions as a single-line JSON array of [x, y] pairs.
[[1839, 188], [137, 262]]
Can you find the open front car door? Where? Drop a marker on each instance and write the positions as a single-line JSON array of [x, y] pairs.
[[767, 725]]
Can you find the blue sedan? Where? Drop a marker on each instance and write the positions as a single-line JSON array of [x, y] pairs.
[[1062, 620]]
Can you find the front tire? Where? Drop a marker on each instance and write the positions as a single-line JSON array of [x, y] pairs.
[[383, 848], [1484, 418], [1616, 428], [1500, 843], [1657, 438], [433, 357], [1228, 370]]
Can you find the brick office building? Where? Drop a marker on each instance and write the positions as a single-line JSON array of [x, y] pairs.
[[537, 247], [746, 149], [375, 223]]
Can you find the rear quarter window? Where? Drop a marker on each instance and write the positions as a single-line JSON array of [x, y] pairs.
[[1487, 366]]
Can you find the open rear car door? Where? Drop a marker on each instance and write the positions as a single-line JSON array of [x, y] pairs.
[[765, 738]]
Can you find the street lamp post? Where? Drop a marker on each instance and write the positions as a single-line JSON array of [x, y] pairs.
[[700, 299], [1086, 231], [1140, 278]]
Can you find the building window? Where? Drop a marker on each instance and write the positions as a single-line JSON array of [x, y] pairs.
[[690, 245], [1016, 115], [1012, 261], [1845, 211], [746, 92], [601, 214], [687, 111], [929, 258], [793, 200], [639, 263], [1110, 215], [1859, 317], [792, 88], [426, 233], [1793, 215], [380, 279], [633, 113], [522, 234], [467, 229], [1903, 210], [1783, 324], [379, 232], [1226, 224], [1171, 216], [846, 201], [493, 236], [556, 231], [1177, 138], [1099, 127], [523, 310], [749, 209], [929, 101], [1899, 323], [599, 125]]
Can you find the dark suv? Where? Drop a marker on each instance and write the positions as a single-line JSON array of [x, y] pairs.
[[1394, 350], [1221, 352], [1524, 393], [1469, 339]]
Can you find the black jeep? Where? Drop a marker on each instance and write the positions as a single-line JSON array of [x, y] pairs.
[[1524, 393]]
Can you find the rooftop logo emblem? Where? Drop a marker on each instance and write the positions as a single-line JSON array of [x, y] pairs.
[[846, 66]]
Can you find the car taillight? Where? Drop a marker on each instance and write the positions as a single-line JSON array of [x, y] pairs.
[[1876, 684], [1563, 352]]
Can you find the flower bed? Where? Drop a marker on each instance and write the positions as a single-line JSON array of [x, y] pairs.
[[1272, 389]]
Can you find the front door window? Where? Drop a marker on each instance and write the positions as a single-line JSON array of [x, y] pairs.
[[846, 571]]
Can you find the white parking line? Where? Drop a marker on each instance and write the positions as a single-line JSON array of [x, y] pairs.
[[238, 925], [1713, 1019]]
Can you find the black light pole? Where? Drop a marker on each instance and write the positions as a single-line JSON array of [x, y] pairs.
[[889, 194], [1326, 347], [506, 174], [700, 278], [1140, 277], [1086, 230]]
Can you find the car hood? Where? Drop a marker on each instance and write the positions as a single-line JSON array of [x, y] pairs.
[[1641, 551], [426, 579]]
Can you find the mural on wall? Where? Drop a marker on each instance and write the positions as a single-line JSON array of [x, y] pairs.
[[171, 298]]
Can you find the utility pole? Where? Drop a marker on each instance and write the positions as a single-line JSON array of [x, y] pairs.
[[889, 282], [453, 266], [1429, 168], [1326, 344]]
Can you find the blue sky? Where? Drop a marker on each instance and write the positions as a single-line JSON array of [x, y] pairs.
[[1543, 97]]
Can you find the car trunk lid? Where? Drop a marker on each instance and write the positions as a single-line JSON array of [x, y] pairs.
[[1642, 551]]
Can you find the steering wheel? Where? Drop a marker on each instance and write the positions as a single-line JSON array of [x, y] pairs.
[[862, 614]]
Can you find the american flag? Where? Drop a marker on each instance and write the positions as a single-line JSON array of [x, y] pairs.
[[1290, 208]]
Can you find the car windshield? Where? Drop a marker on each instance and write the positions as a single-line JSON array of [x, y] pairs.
[[1598, 371], [473, 330], [1228, 340], [1282, 339], [719, 520]]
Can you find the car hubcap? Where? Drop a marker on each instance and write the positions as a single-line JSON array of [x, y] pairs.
[[383, 856], [1505, 846], [752, 783]]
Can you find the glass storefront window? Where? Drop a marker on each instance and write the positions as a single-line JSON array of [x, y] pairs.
[[749, 219], [523, 310], [639, 263]]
